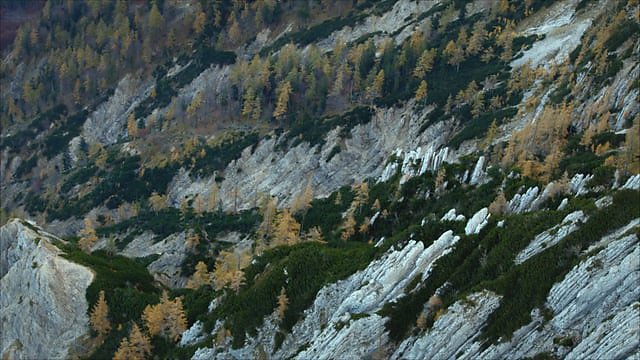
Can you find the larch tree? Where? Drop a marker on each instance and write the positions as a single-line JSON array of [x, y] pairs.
[[477, 39], [348, 227], [425, 63], [88, 236], [315, 234], [200, 277], [199, 22], [361, 197], [132, 126], [268, 209], [136, 346], [198, 205], [99, 317], [491, 135], [194, 106], [192, 241], [157, 202], [454, 54], [421, 92], [375, 89], [155, 18], [283, 302], [287, 229], [166, 319], [284, 92], [499, 204]]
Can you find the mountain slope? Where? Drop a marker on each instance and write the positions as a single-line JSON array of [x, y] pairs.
[[391, 179]]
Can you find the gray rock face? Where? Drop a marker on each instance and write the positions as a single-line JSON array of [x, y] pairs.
[[172, 251], [283, 175], [453, 332], [399, 17], [477, 222], [595, 306], [43, 306], [552, 236], [328, 328], [633, 183], [479, 175], [108, 124]]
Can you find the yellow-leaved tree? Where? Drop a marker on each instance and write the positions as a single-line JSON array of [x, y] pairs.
[[283, 302], [166, 319], [200, 277], [99, 317], [421, 92], [283, 91], [88, 236], [287, 229], [136, 346], [348, 227]]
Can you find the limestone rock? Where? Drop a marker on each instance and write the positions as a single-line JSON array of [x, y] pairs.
[[38, 281], [477, 222], [552, 236]]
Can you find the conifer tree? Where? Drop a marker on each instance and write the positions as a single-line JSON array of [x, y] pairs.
[[132, 126], [136, 346], [421, 92], [287, 229], [284, 91], [200, 277], [348, 227], [283, 302], [454, 53], [166, 319], [157, 202], [88, 236], [99, 317]]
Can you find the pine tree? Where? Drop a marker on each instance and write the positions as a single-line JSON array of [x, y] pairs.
[[283, 302], [99, 317]]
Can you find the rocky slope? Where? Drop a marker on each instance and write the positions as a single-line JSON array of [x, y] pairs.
[[443, 195], [38, 281]]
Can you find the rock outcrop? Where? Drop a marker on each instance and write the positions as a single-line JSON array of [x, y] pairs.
[[552, 236], [38, 281]]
